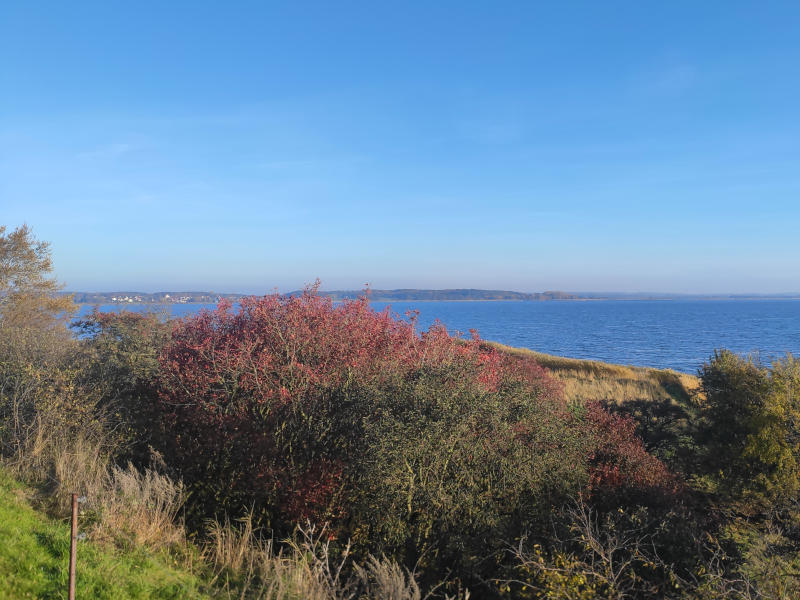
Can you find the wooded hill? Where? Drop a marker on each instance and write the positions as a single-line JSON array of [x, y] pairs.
[[454, 294]]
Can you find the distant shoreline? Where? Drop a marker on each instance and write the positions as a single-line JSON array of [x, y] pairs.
[[161, 298], [426, 300]]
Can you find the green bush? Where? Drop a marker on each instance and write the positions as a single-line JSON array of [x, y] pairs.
[[120, 365], [751, 429], [41, 396]]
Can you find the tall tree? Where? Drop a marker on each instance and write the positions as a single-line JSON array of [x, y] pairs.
[[29, 295]]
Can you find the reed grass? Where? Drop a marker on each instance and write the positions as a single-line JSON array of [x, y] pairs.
[[246, 565], [587, 380]]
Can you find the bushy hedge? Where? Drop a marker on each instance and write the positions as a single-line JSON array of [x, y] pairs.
[[444, 453], [423, 446]]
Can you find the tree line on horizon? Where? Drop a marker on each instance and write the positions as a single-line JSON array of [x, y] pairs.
[[372, 294]]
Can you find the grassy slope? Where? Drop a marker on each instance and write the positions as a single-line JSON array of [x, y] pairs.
[[34, 554], [593, 380]]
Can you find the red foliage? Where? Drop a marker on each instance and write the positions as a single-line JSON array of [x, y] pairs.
[[618, 458], [232, 380], [278, 350], [311, 493]]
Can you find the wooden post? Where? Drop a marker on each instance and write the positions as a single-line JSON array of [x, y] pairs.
[[73, 546]]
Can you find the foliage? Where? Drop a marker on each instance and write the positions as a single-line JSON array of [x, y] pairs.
[[426, 447], [769, 554], [28, 297], [626, 554], [590, 555], [749, 451], [120, 364], [41, 397], [387, 461], [751, 431], [620, 463]]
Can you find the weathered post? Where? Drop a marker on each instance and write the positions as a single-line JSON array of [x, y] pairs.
[[73, 546]]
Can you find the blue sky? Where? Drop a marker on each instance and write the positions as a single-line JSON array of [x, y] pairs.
[[248, 146]]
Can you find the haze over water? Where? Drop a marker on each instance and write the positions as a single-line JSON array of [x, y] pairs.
[[675, 334]]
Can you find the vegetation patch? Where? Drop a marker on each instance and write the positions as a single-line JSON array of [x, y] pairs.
[[297, 448], [35, 551]]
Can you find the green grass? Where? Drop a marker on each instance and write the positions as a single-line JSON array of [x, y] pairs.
[[34, 555]]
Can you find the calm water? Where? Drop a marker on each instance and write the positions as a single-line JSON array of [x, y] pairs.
[[676, 334]]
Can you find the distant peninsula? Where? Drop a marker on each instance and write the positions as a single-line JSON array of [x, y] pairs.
[[400, 295], [152, 298], [410, 295]]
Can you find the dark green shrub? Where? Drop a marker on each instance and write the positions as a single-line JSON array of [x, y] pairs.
[[119, 363], [751, 428]]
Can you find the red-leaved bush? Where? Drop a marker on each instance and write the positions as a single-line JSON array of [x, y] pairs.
[[412, 444], [277, 349], [618, 460], [232, 381]]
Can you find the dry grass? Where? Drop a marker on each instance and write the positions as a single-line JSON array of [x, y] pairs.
[[387, 579], [61, 465], [141, 507], [133, 508], [124, 505], [248, 566], [593, 380]]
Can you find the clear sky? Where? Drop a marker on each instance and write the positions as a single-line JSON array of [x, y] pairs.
[[248, 146]]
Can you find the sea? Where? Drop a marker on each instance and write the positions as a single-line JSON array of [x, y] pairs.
[[671, 334]]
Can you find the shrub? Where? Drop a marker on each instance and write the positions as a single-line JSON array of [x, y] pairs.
[[119, 363], [284, 384], [620, 465], [426, 447], [42, 402], [751, 431], [626, 554]]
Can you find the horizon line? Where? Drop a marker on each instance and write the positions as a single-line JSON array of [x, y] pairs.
[[448, 289]]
